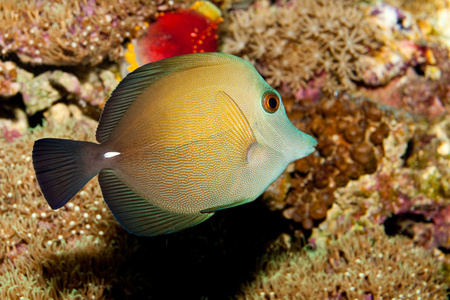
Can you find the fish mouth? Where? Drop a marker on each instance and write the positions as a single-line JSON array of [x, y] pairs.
[[315, 143], [305, 145], [297, 143]]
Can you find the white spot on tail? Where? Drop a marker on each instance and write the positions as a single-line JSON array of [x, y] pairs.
[[110, 154]]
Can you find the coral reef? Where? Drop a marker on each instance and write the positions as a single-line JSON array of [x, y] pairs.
[[351, 134], [292, 43], [311, 49], [375, 165], [73, 32], [358, 265], [414, 74]]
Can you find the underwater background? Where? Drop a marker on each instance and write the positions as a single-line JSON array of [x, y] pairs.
[[367, 216]]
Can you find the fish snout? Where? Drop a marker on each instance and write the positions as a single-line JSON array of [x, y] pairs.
[[304, 145]]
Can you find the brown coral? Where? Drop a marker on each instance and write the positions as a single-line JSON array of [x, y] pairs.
[[358, 265], [72, 32], [293, 42], [350, 133]]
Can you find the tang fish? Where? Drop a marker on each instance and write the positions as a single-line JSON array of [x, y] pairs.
[[178, 140]]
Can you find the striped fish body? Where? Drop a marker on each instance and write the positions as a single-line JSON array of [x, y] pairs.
[[179, 139]]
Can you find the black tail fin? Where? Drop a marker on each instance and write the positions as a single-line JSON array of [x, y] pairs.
[[61, 168]]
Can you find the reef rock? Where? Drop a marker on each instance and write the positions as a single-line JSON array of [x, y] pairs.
[[8, 79], [38, 93]]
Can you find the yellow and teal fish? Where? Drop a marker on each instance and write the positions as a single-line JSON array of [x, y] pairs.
[[178, 140]]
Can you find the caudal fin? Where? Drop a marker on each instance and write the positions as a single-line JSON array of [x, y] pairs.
[[62, 168]]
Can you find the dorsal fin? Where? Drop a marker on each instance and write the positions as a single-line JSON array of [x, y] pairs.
[[135, 83]]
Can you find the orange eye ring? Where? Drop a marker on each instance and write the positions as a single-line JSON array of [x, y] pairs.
[[271, 102]]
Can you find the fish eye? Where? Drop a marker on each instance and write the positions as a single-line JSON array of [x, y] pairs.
[[271, 102]]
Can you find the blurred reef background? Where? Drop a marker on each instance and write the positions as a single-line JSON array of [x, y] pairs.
[[367, 216]]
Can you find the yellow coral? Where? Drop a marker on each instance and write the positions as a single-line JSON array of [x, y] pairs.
[[130, 57]]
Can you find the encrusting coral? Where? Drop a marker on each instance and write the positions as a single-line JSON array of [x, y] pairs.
[[89, 90], [294, 42], [73, 32], [44, 254], [357, 265]]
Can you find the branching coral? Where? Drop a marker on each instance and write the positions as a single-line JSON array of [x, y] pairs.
[[292, 42], [72, 32], [358, 265], [44, 254]]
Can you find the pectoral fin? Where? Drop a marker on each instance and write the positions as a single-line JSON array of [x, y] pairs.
[[233, 121]]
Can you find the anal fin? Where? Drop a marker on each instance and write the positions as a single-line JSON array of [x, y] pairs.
[[138, 215]]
